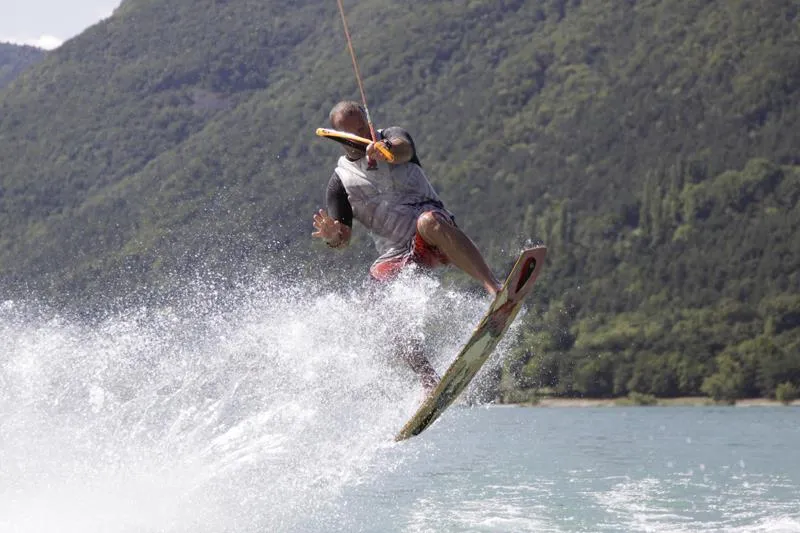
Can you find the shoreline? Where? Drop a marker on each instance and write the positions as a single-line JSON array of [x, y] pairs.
[[700, 401]]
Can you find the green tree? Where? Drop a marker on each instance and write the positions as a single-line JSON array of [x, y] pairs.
[[727, 383]]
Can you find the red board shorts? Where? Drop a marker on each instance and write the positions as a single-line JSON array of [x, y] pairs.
[[421, 254]]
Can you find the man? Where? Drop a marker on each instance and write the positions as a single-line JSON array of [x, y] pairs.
[[397, 204]]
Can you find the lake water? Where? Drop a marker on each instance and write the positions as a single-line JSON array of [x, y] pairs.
[[273, 408], [593, 470]]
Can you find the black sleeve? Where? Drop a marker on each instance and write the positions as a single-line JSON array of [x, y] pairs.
[[339, 207], [393, 132]]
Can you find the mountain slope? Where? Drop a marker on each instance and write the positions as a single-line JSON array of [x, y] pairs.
[[15, 59], [652, 145]]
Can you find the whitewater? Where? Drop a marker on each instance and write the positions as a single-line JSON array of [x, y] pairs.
[[225, 410], [272, 407]]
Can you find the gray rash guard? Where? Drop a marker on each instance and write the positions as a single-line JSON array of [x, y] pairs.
[[386, 198]]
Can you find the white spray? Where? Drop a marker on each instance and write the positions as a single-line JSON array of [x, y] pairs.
[[249, 412]]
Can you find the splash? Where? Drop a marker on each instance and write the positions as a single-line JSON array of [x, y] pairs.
[[249, 410]]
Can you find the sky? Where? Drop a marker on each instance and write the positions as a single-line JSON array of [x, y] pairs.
[[48, 23]]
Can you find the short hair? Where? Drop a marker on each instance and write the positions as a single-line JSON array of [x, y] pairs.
[[347, 108]]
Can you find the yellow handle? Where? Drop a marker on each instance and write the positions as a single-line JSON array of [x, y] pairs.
[[340, 136], [337, 135], [389, 156]]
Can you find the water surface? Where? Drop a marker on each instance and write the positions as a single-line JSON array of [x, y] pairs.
[[273, 407]]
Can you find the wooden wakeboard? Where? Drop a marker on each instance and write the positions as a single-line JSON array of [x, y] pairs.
[[481, 344]]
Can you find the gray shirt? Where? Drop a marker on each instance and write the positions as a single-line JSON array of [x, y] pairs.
[[386, 198]]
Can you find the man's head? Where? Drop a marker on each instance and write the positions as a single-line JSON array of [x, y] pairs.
[[351, 117]]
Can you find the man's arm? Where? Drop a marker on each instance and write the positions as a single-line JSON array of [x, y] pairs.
[[334, 226], [399, 143]]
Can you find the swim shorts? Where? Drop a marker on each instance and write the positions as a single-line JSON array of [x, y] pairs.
[[421, 253]]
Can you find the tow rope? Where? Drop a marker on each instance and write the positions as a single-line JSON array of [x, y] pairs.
[[383, 149]]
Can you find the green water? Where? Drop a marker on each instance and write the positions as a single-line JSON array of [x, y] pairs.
[[656, 469]]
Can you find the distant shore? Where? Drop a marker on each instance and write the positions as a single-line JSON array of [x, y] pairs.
[[662, 402]]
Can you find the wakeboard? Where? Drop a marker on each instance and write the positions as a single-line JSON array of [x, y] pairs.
[[481, 344]]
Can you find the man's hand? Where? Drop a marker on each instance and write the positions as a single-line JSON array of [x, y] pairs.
[[402, 151], [377, 150], [333, 232]]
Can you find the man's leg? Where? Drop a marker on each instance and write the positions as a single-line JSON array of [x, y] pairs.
[[413, 354], [458, 248], [408, 345]]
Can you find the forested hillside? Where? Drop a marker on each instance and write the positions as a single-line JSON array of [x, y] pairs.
[[652, 145], [15, 59]]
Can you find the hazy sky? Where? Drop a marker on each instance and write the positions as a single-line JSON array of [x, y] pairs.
[[47, 23]]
